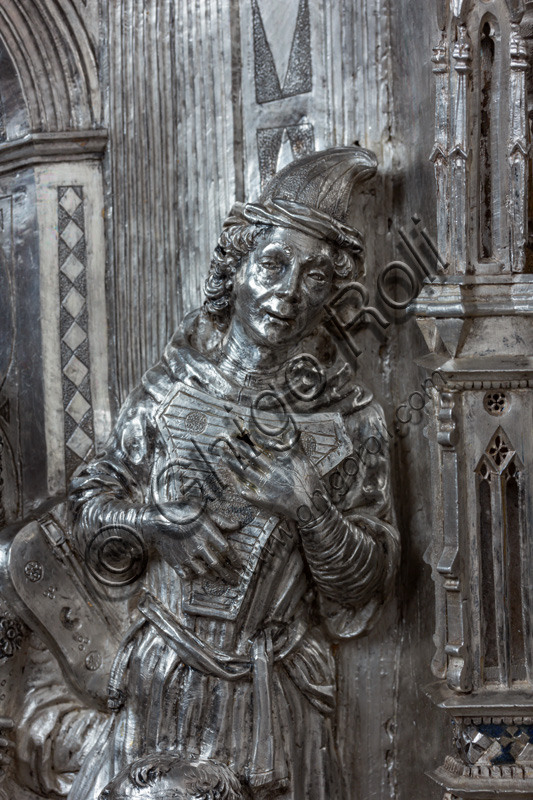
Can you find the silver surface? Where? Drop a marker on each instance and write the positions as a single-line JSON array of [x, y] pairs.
[[231, 529], [180, 87]]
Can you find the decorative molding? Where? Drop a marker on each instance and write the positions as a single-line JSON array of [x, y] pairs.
[[73, 316], [518, 151], [56, 61], [493, 384], [439, 155], [491, 744], [480, 67], [477, 324], [45, 148], [458, 157], [449, 562]]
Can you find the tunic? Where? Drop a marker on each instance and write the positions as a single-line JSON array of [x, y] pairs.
[[256, 691]]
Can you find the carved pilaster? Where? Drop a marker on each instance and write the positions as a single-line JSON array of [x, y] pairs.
[[449, 565], [518, 151], [439, 155], [459, 175], [481, 344]]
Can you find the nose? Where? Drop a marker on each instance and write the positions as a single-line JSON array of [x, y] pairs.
[[289, 288]]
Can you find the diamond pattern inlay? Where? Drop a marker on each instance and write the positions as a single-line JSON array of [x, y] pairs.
[[79, 443], [72, 267], [75, 349], [70, 201], [75, 370], [78, 407], [72, 234], [73, 302], [74, 336]]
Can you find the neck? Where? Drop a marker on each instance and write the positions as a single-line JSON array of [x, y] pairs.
[[245, 354]]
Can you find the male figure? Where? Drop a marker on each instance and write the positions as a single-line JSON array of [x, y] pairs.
[[269, 537]]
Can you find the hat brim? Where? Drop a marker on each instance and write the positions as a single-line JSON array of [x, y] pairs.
[[289, 214]]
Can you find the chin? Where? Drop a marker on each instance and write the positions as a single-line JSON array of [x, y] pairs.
[[275, 335]]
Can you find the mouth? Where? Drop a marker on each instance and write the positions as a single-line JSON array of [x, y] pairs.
[[285, 319]]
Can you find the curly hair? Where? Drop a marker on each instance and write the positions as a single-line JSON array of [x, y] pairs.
[[202, 779], [235, 243]]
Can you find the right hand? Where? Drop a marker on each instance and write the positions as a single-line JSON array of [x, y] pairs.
[[188, 539], [6, 745]]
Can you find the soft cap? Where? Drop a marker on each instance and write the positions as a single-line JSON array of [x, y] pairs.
[[312, 195]]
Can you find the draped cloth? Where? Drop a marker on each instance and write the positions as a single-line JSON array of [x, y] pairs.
[[257, 692]]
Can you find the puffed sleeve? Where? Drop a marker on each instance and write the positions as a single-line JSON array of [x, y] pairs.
[[112, 489], [352, 548]]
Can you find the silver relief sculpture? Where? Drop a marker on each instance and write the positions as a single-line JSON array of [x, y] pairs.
[[185, 601]]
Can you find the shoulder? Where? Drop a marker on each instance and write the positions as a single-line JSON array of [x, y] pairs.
[[367, 429]]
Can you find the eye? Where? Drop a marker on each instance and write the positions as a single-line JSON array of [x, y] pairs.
[[317, 277], [271, 265]]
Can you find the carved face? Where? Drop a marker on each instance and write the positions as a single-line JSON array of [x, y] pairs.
[[282, 287]]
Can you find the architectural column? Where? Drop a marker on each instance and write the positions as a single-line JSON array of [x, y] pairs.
[[477, 322]]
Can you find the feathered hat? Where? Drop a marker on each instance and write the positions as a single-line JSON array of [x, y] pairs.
[[312, 195]]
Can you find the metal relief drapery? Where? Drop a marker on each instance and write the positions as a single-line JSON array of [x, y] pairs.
[[191, 588], [204, 102]]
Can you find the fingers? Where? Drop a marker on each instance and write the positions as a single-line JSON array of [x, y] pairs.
[[242, 456], [206, 550], [214, 565], [219, 555], [237, 467], [245, 476], [182, 571], [223, 523], [6, 723], [214, 538]]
